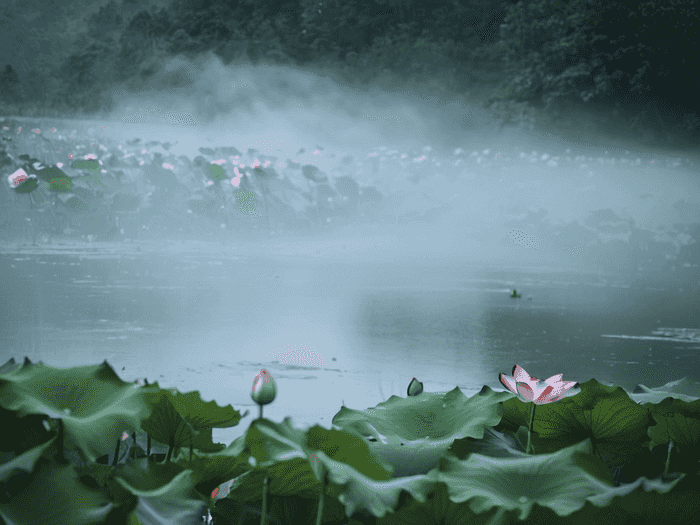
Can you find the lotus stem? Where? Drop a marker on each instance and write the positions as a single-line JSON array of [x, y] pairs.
[[668, 458], [263, 514], [170, 449], [321, 498], [59, 442], [133, 438], [260, 412], [529, 432], [148, 445], [116, 453]]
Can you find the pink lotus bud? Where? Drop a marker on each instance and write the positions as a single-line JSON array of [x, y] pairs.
[[264, 388]]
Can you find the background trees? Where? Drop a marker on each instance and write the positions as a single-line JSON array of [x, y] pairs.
[[635, 57]]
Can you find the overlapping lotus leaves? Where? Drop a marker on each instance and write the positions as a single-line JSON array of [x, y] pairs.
[[46, 480], [217, 468], [677, 421], [93, 403], [166, 493], [473, 469], [45, 173], [28, 431], [284, 199], [549, 480], [184, 419], [616, 424]]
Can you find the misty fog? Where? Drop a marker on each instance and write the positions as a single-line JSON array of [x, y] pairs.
[[490, 180]]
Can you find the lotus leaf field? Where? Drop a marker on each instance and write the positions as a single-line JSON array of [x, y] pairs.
[[81, 446]]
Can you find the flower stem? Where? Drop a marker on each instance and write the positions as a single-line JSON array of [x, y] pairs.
[[116, 453], [668, 457], [263, 514], [529, 432], [319, 514]]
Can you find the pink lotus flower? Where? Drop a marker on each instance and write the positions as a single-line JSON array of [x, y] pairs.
[[532, 389]]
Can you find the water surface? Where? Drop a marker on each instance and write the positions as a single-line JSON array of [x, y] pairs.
[[186, 317]]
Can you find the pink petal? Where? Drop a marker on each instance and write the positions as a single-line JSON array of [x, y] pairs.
[[543, 395], [508, 382], [554, 379], [520, 375], [525, 391]]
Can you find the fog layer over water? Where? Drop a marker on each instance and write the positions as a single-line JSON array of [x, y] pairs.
[[507, 196]]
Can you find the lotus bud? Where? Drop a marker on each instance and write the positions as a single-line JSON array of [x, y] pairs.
[[415, 387], [264, 388]]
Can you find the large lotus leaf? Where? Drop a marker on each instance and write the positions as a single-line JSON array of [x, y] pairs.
[[27, 432], [684, 387], [51, 494], [62, 184], [215, 172], [165, 492], [94, 404], [677, 421], [434, 418], [91, 165], [412, 433], [184, 419], [559, 481]]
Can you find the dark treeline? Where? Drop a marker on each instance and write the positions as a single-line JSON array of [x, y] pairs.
[[636, 59]]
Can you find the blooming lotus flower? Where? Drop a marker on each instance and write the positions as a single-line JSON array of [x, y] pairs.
[[264, 389], [531, 389]]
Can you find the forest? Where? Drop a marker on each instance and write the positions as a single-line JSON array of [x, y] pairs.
[[629, 59]]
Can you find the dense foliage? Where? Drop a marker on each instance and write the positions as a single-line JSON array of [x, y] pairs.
[[631, 55]]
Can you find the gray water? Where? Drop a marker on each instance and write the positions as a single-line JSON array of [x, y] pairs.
[[176, 315]]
